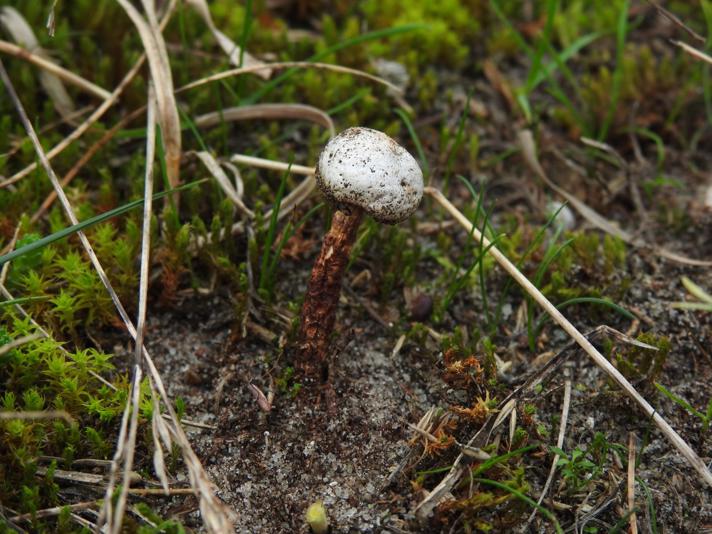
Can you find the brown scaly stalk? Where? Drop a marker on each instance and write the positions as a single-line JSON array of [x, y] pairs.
[[360, 171], [319, 309]]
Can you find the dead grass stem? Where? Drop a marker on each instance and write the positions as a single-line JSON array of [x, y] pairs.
[[673, 437], [215, 514]]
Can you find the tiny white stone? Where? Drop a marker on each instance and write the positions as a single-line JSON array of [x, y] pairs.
[[590, 422], [565, 218], [506, 310], [309, 448], [365, 168], [394, 72]]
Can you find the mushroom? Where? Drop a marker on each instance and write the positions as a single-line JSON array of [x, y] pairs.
[[360, 171]]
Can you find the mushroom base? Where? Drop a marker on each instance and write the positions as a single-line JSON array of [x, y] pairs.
[[319, 308]]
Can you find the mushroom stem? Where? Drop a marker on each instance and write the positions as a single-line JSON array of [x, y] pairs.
[[319, 308]]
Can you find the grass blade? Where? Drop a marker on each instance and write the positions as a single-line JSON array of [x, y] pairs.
[[416, 141], [489, 464], [651, 506], [519, 495], [21, 300], [696, 291], [40, 243], [272, 233], [621, 31], [673, 437], [364, 38], [584, 300]]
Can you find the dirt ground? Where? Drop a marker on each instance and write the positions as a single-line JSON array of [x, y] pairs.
[[353, 447], [364, 461], [360, 460]]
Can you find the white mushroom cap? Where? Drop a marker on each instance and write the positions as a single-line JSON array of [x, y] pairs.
[[367, 169]]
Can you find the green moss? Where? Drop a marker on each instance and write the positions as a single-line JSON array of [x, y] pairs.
[[459, 36], [39, 375], [451, 27], [638, 363], [286, 384], [614, 254], [646, 76], [593, 254], [578, 18]]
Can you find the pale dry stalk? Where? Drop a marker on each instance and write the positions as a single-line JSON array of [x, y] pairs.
[[673, 437]]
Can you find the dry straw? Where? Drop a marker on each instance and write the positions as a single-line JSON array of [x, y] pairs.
[[21, 32], [155, 47], [600, 360], [215, 514], [680, 444]]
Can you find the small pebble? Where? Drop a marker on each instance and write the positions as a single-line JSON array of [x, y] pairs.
[[421, 306]]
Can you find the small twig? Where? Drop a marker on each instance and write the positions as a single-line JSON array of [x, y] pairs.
[[631, 484], [262, 163], [694, 52], [62, 73], [195, 424], [38, 414], [267, 112], [51, 512], [134, 510], [224, 182], [219, 389], [236, 53], [680, 444], [171, 491], [261, 332], [83, 522], [87, 462], [398, 346], [424, 433], [289, 64], [560, 444], [676, 21], [74, 477]]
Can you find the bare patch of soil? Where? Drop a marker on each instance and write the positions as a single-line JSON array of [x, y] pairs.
[[358, 461], [271, 466]]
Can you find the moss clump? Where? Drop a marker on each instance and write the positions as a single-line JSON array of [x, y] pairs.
[[40, 375], [638, 363], [649, 80], [69, 293], [451, 28]]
